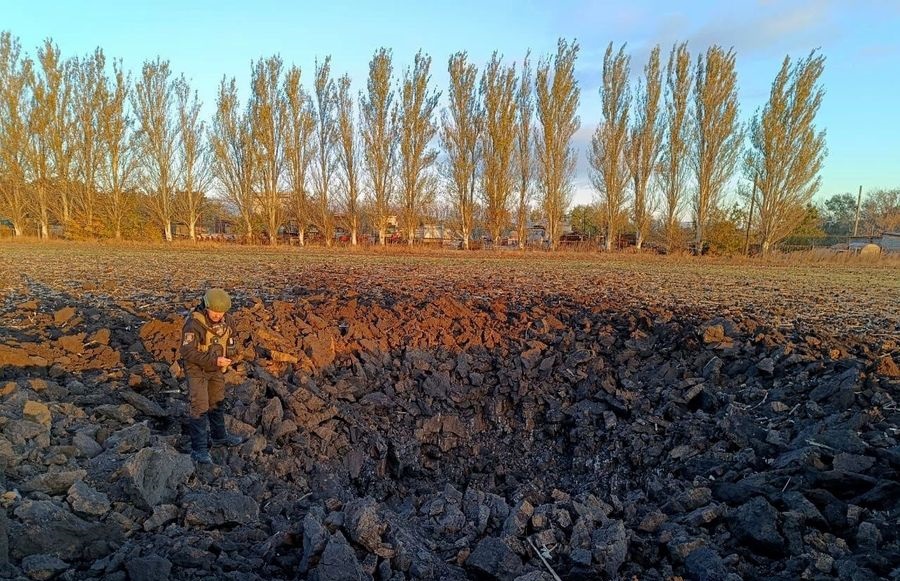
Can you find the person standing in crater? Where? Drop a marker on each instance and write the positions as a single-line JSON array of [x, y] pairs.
[[207, 349]]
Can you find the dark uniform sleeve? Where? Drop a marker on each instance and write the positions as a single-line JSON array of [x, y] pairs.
[[190, 339]]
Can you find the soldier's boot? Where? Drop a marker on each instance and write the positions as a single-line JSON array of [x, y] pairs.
[[199, 446], [220, 436]]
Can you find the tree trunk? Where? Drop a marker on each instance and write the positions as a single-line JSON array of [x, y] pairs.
[[192, 230], [639, 240], [382, 236], [66, 211], [167, 231], [44, 223], [327, 231], [670, 237]]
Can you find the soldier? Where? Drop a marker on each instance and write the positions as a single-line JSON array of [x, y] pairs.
[[207, 349]]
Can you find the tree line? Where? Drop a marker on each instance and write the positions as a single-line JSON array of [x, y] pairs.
[[99, 152]]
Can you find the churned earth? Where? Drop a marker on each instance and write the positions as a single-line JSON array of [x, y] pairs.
[[451, 416]]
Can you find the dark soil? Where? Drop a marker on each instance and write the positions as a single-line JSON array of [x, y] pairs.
[[419, 418]]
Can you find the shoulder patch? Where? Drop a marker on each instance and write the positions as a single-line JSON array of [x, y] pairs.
[[188, 338]]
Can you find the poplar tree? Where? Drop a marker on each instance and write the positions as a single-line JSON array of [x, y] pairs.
[[717, 134], [15, 74], [57, 78], [557, 105], [234, 158], [348, 156], [786, 151], [90, 95], [45, 88], [417, 127], [267, 121], [299, 149], [461, 127], [644, 146], [673, 163], [498, 92], [119, 162], [51, 140], [326, 141], [524, 154], [608, 155], [379, 131], [194, 169], [152, 102]]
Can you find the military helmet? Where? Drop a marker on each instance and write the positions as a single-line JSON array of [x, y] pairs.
[[217, 300]]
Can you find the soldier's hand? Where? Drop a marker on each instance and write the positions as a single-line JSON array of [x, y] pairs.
[[223, 362]]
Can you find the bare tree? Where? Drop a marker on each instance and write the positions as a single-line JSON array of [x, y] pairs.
[[379, 128], [717, 134], [644, 146], [194, 174], [118, 163], [786, 151], [15, 74], [880, 212], [91, 86], [498, 93], [672, 173], [57, 80], [523, 153], [608, 156], [50, 129], [348, 155], [267, 121], [461, 126], [326, 140], [41, 113], [234, 160], [299, 148], [417, 128], [557, 103], [152, 102]]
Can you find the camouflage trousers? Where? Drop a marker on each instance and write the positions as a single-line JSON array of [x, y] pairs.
[[205, 391]]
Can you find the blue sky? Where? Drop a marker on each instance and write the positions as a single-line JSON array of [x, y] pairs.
[[208, 39]]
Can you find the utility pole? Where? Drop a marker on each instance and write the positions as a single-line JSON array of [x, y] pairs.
[[858, 203]]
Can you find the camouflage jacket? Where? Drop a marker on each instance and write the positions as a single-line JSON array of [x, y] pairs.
[[202, 342]]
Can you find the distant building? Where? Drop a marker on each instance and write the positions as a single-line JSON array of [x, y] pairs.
[[890, 242], [437, 233], [536, 232], [887, 241]]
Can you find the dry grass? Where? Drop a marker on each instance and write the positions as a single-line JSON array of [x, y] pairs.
[[820, 256]]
